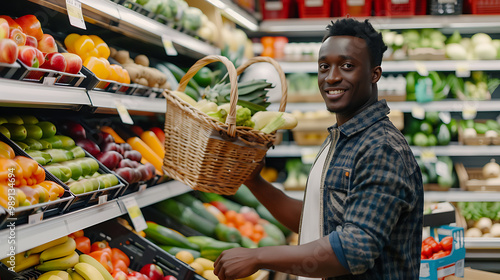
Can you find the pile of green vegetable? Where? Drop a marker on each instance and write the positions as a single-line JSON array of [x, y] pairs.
[[439, 171], [430, 131]]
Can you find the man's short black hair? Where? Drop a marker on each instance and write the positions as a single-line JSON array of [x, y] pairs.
[[363, 30]]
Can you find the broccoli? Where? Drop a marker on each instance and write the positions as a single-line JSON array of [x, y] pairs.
[[242, 116], [248, 123], [220, 115]]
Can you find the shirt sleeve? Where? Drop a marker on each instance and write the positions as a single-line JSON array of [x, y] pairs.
[[337, 249]]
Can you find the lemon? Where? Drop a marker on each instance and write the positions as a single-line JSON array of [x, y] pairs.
[[185, 256], [209, 275], [205, 263], [198, 268]]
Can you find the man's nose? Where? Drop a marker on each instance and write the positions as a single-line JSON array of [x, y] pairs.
[[333, 76]]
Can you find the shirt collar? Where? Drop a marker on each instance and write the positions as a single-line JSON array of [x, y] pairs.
[[366, 118]]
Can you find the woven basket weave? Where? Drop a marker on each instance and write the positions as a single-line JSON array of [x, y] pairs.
[[206, 154]]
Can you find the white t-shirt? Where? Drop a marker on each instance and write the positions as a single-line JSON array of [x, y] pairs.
[[310, 221]]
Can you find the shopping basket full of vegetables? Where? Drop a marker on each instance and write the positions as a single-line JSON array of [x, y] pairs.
[[214, 154]]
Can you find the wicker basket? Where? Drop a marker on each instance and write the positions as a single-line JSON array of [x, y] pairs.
[[206, 154]]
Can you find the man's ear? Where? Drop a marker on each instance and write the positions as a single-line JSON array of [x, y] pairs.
[[376, 74]]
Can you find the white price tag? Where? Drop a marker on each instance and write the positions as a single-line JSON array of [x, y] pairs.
[[442, 169], [421, 69], [418, 112], [135, 213], [445, 117], [308, 155], [35, 218], [463, 70], [49, 81], [428, 155], [313, 3], [469, 111], [103, 199], [142, 188], [123, 112], [168, 45], [75, 14]]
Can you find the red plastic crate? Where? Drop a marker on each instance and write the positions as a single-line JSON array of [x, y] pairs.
[[483, 7], [379, 8], [314, 8], [421, 7], [396, 9], [277, 9], [355, 8]]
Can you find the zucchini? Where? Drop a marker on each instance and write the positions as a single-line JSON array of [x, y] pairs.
[[174, 250], [227, 234], [275, 233], [179, 73], [186, 216], [268, 241], [214, 249], [197, 207], [165, 236], [247, 243], [245, 197], [201, 240], [266, 215], [209, 197]]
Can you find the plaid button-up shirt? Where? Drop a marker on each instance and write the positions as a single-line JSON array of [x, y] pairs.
[[372, 197]]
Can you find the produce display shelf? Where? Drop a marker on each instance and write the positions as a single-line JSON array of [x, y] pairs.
[[316, 27], [134, 25], [408, 65], [105, 102], [236, 14], [407, 106], [15, 93], [58, 226]]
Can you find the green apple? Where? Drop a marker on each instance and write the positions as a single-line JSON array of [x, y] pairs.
[[105, 181], [17, 132], [54, 170], [22, 145], [54, 141], [29, 119], [25, 203], [33, 131], [65, 171], [45, 144], [48, 128], [86, 168], [60, 155], [113, 179], [33, 144], [14, 119], [76, 187], [87, 184], [5, 131], [76, 169], [94, 165], [78, 152], [96, 183]]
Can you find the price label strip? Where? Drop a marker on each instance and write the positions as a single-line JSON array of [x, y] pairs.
[[421, 69], [135, 213], [418, 112], [35, 218], [463, 70], [75, 14], [469, 111], [168, 45], [123, 112]]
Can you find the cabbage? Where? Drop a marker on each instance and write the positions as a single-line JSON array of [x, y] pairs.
[[485, 51], [191, 18], [456, 52], [481, 38]]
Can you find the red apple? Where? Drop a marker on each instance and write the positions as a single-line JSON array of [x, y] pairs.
[[133, 155], [8, 50], [89, 146], [126, 147], [30, 25], [74, 130], [169, 277], [31, 56], [153, 271], [47, 44], [111, 146], [73, 63], [129, 174], [54, 61], [104, 137], [31, 41], [4, 28], [138, 275], [128, 163], [120, 275], [151, 168], [146, 174], [110, 159], [18, 36]]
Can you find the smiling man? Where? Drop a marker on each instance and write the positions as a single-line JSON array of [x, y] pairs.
[[361, 217]]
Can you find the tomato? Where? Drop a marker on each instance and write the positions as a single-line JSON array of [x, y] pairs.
[[436, 247], [104, 258], [83, 244], [99, 245], [219, 205], [78, 233], [429, 240], [438, 255], [423, 257], [118, 254], [447, 243], [427, 250]]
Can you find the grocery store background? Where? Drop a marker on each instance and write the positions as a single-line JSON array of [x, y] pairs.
[[440, 78]]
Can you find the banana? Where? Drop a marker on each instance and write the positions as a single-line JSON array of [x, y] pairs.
[[88, 272], [54, 277], [46, 246], [20, 262], [62, 274], [93, 262], [74, 275], [59, 264], [58, 251]]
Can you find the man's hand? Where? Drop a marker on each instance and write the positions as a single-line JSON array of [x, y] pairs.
[[236, 263], [255, 175]]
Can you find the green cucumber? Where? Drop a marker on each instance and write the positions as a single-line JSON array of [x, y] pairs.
[[197, 207], [247, 243], [266, 215], [227, 234], [209, 197], [165, 236], [179, 73], [275, 233], [174, 250], [186, 216], [245, 197], [267, 241], [214, 249], [201, 240]]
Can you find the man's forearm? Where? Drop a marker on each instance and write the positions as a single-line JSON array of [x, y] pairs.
[[284, 208]]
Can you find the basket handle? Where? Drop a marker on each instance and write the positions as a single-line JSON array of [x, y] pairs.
[[284, 88], [233, 79]]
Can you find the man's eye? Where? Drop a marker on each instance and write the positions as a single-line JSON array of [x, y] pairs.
[[323, 66], [348, 65]]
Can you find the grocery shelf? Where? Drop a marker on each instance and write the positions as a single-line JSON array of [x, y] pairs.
[[29, 236], [105, 102], [15, 93], [407, 106], [447, 24], [236, 14], [407, 65], [454, 149]]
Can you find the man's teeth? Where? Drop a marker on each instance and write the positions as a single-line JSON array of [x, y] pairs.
[[336, 91]]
